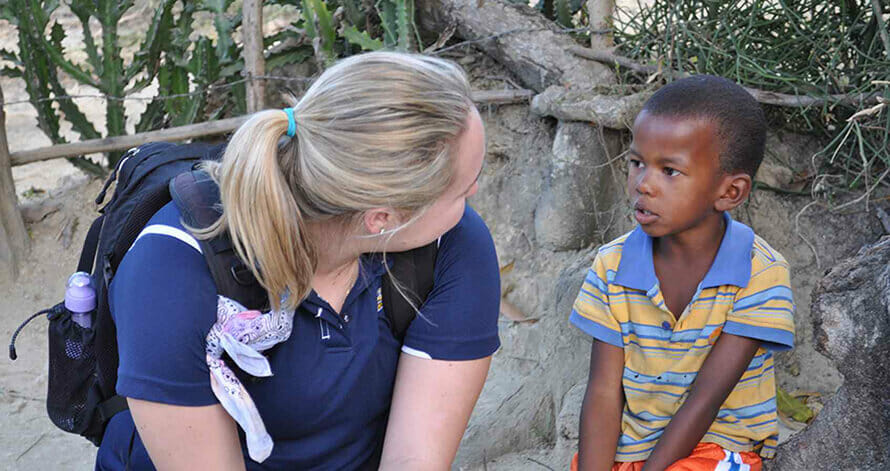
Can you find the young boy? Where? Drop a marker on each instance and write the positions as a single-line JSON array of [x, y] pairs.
[[686, 310]]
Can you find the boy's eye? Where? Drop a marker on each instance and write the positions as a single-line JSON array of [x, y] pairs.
[[634, 163], [671, 172]]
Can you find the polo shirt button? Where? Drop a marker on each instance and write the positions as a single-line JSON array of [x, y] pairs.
[[666, 325], [345, 317]]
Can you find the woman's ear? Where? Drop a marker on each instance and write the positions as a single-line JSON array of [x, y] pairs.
[[377, 220], [734, 191]]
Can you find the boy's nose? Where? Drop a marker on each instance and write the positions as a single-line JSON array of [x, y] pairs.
[[642, 185]]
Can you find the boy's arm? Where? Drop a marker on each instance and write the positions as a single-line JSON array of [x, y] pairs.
[[602, 408], [719, 374]]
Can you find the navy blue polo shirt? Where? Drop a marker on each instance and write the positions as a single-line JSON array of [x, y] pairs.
[[327, 403]]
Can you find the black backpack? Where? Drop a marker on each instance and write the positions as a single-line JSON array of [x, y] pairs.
[[83, 362]]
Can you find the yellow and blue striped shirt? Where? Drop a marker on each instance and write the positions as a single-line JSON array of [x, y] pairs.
[[746, 292]]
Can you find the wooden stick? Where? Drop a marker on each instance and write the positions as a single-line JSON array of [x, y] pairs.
[[254, 62], [600, 14], [763, 96], [181, 133], [502, 97], [109, 144], [14, 242]]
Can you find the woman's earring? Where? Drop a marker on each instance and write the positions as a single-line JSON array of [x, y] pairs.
[[382, 230]]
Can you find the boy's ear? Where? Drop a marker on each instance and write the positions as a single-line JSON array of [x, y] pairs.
[[733, 191]]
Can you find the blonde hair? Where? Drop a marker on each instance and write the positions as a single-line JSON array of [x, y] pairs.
[[375, 130]]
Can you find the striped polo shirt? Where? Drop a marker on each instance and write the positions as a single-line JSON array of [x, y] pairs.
[[746, 292]]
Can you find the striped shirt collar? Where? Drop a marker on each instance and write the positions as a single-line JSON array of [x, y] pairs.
[[732, 265]]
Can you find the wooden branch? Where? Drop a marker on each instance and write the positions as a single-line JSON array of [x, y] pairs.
[[600, 14], [109, 144], [762, 96], [502, 97], [254, 62], [181, 133], [14, 242], [606, 57], [528, 44], [611, 111]]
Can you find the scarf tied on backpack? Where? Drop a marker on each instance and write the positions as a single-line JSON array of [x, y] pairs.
[[243, 334]]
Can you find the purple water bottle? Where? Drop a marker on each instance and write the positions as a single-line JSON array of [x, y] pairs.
[[80, 298]]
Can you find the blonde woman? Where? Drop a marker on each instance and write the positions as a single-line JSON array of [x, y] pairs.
[[378, 156]]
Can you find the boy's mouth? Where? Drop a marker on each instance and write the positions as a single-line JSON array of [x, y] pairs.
[[643, 215]]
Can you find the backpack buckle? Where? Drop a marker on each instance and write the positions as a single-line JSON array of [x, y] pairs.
[[242, 274]]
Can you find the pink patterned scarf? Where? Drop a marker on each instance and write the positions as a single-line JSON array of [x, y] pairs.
[[243, 334]]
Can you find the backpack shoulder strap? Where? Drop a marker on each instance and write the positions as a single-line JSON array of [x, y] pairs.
[[197, 197], [414, 270]]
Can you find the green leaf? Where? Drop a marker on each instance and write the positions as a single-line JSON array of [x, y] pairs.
[[239, 92], [291, 56], [355, 14], [576, 5], [224, 27], [152, 118], [53, 50], [325, 27], [87, 166], [361, 39], [83, 14], [234, 69], [10, 56], [156, 38], [404, 25], [386, 10], [11, 72], [72, 113], [7, 13], [563, 13], [57, 34], [309, 19], [792, 407]]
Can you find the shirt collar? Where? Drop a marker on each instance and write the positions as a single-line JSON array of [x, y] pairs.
[[371, 269], [731, 266]]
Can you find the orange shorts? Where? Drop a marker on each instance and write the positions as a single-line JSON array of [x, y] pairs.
[[705, 457]]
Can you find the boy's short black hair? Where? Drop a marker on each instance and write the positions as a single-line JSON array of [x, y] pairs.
[[740, 120]]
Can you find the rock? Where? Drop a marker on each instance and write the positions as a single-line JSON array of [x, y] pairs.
[[787, 160], [775, 176], [579, 201], [851, 310], [835, 236], [569, 420]]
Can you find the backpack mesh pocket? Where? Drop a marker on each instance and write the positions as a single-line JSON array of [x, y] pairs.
[[72, 396]]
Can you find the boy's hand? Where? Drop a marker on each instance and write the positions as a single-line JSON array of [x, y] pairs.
[[602, 408], [721, 371]]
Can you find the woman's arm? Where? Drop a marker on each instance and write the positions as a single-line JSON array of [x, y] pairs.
[[431, 406], [718, 376], [187, 438], [602, 408]]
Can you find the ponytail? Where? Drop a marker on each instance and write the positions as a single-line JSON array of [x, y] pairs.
[[266, 225]]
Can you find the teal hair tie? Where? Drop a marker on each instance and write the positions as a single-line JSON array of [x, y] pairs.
[[291, 122]]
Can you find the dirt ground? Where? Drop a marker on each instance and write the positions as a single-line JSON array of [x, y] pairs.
[[28, 439]]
